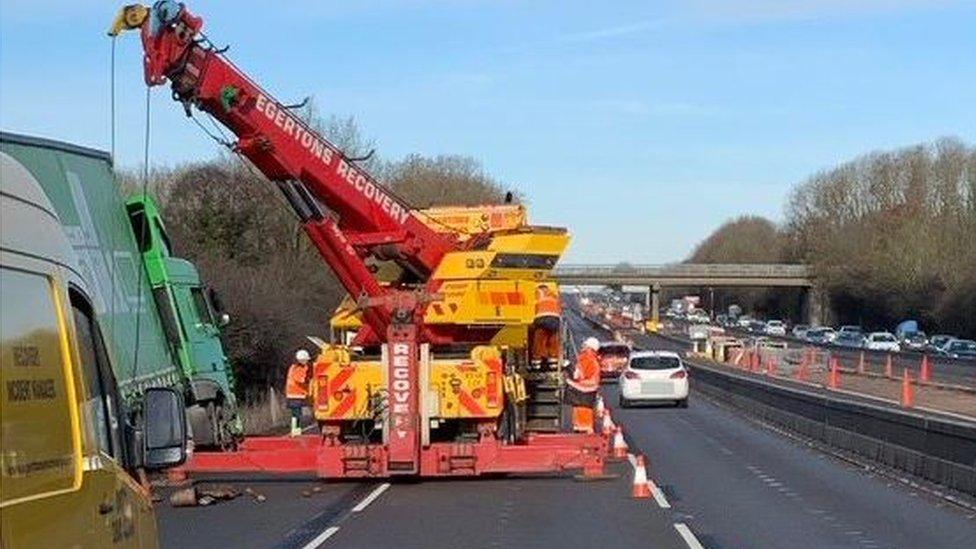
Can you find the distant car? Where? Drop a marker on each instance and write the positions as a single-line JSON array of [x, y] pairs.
[[851, 328], [744, 321], [881, 341], [959, 348], [613, 358], [756, 327], [776, 327], [699, 317], [654, 376], [854, 340], [916, 341], [800, 330], [937, 341], [821, 335]]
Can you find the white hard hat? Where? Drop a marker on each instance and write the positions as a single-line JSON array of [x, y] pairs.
[[302, 356], [592, 343]]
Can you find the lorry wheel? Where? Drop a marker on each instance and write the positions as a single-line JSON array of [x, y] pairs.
[[215, 416], [624, 403], [683, 403]]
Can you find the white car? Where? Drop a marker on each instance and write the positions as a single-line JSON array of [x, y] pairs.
[[881, 341], [776, 328], [654, 376]]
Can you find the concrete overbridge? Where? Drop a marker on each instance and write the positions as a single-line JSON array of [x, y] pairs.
[[655, 277]]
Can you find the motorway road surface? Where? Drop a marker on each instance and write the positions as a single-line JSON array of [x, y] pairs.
[[739, 484], [487, 513], [726, 480]]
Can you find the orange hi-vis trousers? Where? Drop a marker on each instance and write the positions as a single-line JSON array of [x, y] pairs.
[[582, 419]]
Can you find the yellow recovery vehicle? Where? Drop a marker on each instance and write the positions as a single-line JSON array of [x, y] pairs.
[[470, 384]]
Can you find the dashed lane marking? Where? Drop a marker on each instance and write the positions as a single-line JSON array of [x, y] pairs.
[[320, 539], [371, 497], [687, 535], [658, 494]]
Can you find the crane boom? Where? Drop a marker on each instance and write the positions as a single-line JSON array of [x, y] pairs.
[[348, 215]]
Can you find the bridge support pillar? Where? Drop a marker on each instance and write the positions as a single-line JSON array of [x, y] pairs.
[[654, 302], [815, 306]]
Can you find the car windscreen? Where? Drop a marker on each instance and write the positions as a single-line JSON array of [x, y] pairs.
[[615, 350], [964, 345], [655, 362], [883, 337]]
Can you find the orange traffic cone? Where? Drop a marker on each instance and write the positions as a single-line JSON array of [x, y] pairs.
[[888, 367], [907, 391], [771, 366], [619, 444], [608, 425], [833, 377], [801, 371], [925, 374], [642, 489]]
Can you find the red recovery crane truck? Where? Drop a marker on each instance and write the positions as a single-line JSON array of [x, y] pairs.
[[469, 292]]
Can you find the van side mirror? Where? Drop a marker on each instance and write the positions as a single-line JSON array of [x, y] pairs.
[[164, 431]]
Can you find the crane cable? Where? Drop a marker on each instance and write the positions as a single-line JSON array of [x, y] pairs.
[[115, 183], [142, 227]]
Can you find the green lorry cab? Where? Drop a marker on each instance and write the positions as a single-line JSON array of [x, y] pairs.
[[160, 319]]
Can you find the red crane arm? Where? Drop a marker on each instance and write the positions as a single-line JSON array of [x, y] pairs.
[[363, 219]]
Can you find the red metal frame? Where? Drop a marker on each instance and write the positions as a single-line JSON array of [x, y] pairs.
[[313, 455]]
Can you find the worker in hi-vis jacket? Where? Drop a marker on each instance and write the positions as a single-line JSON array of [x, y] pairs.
[[546, 326], [583, 385], [296, 389]]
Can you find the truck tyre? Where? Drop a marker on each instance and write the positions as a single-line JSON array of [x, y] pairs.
[[683, 403], [624, 403], [214, 411]]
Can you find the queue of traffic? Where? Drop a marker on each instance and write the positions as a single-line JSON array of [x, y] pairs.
[[907, 337]]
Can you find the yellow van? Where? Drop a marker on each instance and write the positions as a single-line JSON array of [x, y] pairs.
[[70, 451]]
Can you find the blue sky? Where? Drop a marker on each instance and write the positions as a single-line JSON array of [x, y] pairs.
[[640, 125]]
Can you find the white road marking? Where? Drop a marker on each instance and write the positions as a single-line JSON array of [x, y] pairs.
[[372, 496], [320, 539], [632, 460], [658, 494], [687, 535]]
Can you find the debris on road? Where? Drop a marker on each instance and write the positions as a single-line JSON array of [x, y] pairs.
[[254, 495], [193, 496]]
